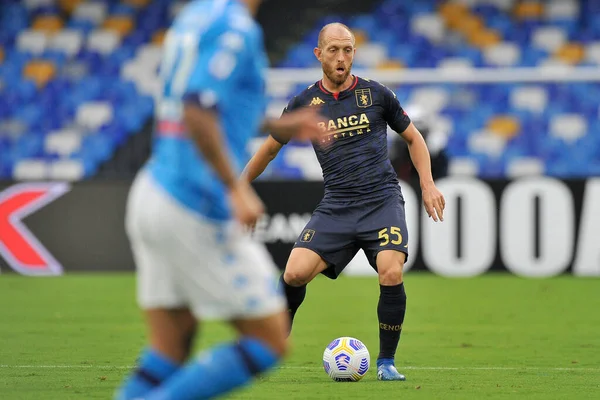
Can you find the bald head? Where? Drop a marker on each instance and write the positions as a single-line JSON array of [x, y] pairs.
[[335, 30]]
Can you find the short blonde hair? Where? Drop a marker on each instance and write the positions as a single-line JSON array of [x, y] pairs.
[[320, 43]]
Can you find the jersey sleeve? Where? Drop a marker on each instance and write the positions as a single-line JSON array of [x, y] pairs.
[[394, 114], [293, 104], [222, 54]]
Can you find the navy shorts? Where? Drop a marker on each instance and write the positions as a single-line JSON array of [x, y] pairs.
[[337, 230]]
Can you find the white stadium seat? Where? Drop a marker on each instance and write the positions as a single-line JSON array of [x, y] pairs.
[[525, 166], [429, 25], [549, 38], [569, 127], [68, 41], [30, 41], [561, 10], [371, 54], [63, 143], [91, 11], [93, 115], [103, 41], [30, 169], [66, 170], [463, 166], [430, 99], [532, 98], [486, 143], [503, 54]]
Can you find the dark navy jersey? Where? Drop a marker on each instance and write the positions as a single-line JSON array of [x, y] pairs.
[[353, 152]]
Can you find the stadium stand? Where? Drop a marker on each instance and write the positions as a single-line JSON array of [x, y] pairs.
[[78, 78]]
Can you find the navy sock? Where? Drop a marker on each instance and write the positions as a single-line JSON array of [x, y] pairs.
[[295, 296], [390, 312]]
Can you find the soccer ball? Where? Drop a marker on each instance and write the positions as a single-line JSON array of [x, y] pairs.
[[346, 359]]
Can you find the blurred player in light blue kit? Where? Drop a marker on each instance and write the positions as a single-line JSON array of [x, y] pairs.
[[187, 206]]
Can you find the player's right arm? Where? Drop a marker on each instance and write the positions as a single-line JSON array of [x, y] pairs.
[[203, 127], [259, 161]]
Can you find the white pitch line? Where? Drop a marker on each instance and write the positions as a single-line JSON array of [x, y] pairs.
[[88, 366]]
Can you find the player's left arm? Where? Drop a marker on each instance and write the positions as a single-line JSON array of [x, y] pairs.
[[419, 154], [399, 121]]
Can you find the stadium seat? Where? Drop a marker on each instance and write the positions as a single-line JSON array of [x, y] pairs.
[[39, 72], [67, 41], [529, 10], [503, 54], [30, 41], [66, 170], [525, 166], [571, 53], [549, 38], [568, 127], [504, 126], [592, 53], [430, 26], [94, 12], [463, 166], [68, 6], [30, 169], [49, 24], [532, 98], [487, 143], [121, 25], [94, 115], [64, 143], [371, 54], [558, 10], [103, 41]]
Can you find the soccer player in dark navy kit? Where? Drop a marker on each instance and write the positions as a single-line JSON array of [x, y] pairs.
[[363, 207]]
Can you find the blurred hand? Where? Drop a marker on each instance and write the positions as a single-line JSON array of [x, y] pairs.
[[434, 202], [301, 124], [245, 203]]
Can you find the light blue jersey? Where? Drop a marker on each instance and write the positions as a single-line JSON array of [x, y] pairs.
[[213, 56]]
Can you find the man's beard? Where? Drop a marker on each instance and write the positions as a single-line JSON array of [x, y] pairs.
[[330, 73]]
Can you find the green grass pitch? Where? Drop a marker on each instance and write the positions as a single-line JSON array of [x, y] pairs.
[[495, 336]]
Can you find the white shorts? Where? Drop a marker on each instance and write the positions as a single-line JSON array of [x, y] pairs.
[[185, 260]]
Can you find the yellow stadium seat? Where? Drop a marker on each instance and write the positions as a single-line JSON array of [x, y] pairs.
[[390, 65], [122, 25], [484, 38], [361, 37], [49, 24], [1, 55], [137, 3], [69, 6], [504, 125], [469, 24], [529, 10], [158, 37], [571, 53], [39, 71], [451, 10]]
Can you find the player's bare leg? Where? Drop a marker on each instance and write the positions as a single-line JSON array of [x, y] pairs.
[[171, 333], [390, 311], [302, 267], [271, 330]]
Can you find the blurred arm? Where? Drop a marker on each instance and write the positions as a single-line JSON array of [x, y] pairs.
[[204, 129], [265, 154]]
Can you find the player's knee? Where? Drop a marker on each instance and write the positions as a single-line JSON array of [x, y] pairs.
[[391, 274], [296, 277]]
